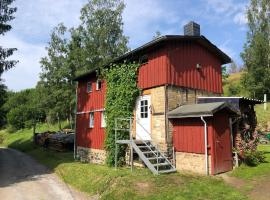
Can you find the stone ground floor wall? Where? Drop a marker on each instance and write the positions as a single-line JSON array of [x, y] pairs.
[[97, 156], [192, 162]]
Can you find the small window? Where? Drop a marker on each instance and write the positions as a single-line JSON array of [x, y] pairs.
[[144, 109], [89, 87], [91, 120], [103, 119], [98, 85], [143, 59]]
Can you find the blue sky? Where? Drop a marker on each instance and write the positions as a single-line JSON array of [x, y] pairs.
[[223, 22]]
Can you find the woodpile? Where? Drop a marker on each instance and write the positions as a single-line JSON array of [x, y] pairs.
[[245, 134], [57, 141]]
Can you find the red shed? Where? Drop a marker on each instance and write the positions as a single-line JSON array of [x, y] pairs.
[[195, 125]]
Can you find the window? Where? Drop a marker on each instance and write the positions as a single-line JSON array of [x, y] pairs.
[[98, 85], [91, 120], [143, 59], [89, 87], [103, 119], [144, 109]]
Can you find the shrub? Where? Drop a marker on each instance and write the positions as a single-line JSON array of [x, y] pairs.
[[253, 158]]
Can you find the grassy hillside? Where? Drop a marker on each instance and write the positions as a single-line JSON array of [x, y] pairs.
[[109, 183], [232, 86], [263, 116]]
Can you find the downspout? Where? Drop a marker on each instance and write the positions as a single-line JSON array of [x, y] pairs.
[[166, 116], [75, 126], [206, 145]]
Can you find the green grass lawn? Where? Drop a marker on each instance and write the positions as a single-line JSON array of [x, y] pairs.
[[249, 173], [121, 183]]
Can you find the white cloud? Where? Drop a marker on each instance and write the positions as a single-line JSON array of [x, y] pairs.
[[143, 18], [26, 72], [32, 25], [227, 11]]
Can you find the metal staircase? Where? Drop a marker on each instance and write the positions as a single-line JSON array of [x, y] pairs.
[[152, 157], [149, 153]]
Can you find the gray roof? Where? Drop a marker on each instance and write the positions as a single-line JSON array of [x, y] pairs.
[[197, 110], [199, 39]]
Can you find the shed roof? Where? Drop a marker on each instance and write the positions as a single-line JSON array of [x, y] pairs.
[[198, 110], [198, 39]]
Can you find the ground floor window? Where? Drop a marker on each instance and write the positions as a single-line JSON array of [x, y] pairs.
[[103, 119], [91, 120]]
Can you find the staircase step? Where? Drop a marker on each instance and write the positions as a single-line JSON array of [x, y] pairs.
[[161, 164], [154, 158], [166, 171], [141, 147], [146, 152]]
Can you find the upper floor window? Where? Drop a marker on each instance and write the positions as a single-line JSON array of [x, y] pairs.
[[91, 119], [98, 85], [89, 87]]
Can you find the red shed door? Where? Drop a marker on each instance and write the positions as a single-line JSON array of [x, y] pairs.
[[223, 160]]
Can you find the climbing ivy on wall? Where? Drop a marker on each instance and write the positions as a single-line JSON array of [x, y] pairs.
[[121, 95]]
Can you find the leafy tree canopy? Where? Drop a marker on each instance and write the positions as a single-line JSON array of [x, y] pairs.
[[256, 54]]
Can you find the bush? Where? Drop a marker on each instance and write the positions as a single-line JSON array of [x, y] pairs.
[[253, 158]]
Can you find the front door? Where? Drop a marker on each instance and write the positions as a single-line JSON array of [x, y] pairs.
[[143, 125]]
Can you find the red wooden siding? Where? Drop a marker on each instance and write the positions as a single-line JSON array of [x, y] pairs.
[[188, 135], [183, 58], [175, 64], [87, 102], [154, 73], [93, 100], [90, 137]]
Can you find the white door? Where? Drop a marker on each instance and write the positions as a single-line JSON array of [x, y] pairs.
[[143, 125]]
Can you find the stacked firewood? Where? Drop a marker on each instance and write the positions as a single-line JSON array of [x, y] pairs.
[[58, 141], [246, 137]]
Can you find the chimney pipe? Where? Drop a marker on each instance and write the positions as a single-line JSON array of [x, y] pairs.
[[192, 29]]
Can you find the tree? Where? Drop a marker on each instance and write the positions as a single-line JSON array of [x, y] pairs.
[[157, 34], [101, 32], [256, 54], [23, 110], [3, 98], [56, 77], [6, 15]]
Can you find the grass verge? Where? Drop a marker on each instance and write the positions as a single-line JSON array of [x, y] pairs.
[[121, 184], [249, 173]]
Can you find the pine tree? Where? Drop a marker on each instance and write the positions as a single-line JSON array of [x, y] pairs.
[[6, 15], [256, 55]]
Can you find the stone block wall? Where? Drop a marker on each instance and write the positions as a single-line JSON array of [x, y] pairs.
[[97, 156], [192, 162]]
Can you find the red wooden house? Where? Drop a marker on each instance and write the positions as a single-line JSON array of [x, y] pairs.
[[174, 71]]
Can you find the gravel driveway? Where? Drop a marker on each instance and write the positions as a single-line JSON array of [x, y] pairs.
[[22, 178]]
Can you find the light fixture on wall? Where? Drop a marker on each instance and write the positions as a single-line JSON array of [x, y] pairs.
[[198, 66]]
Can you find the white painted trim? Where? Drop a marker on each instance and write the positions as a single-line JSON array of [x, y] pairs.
[[97, 110]]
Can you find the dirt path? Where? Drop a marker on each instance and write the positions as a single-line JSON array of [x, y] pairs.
[[22, 178], [258, 189]]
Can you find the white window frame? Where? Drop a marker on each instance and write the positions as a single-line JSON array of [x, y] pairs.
[[89, 89], [91, 120], [103, 119], [98, 85]]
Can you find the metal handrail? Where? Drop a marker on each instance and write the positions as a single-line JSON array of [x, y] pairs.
[[154, 144]]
